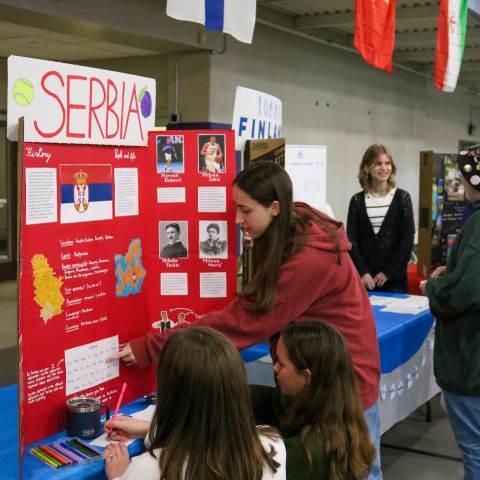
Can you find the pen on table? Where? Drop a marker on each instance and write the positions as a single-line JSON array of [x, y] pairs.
[[119, 402]]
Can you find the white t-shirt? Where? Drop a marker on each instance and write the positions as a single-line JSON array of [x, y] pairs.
[[377, 208], [146, 467]]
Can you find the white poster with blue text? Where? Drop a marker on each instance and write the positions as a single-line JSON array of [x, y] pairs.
[[256, 115]]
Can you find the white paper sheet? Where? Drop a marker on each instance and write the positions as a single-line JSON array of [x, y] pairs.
[[173, 284], [212, 199], [213, 284], [86, 367], [146, 414], [41, 195], [126, 192], [413, 305], [171, 195]]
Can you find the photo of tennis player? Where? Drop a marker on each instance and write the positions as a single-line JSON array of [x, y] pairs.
[[211, 153], [170, 153]]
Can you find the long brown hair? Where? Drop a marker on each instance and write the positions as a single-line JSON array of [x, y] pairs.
[[327, 412], [267, 182], [203, 422], [369, 158]]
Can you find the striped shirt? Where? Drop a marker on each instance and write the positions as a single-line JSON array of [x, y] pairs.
[[377, 208]]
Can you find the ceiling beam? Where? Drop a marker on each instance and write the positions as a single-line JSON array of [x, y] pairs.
[[428, 55], [470, 76], [330, 20]]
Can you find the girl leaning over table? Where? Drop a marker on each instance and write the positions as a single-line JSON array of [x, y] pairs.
[[301, 270]]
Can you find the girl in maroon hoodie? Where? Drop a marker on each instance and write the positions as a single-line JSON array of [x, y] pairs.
[[302, 270]]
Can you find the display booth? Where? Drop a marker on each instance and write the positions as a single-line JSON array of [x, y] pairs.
[[123, 231]]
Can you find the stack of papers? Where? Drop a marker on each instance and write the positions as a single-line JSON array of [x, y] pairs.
[[412, 305]]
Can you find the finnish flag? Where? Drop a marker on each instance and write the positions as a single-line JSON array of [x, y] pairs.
[[236, 17]]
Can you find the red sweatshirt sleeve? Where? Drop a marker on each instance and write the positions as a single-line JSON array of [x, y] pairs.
[[300, 284]]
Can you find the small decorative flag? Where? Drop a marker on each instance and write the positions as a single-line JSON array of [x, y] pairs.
[[451, 32], [375, 31], [236, 17]]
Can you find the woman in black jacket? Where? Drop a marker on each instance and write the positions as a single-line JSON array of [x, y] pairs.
[[380, 224]]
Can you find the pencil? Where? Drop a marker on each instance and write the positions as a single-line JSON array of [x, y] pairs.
[[38, 453], [72, 450], [54, 455], [61, 451]]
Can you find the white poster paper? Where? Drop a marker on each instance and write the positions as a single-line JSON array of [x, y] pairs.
[[41, 195], [85, 366], [212, 199], [173, 284], [126, 192], [84, 105], [171, 195], [307, 167], [255, 115], [213, 284]]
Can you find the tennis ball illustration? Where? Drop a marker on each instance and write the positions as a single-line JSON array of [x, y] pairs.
[[23, 92], [145, 102]]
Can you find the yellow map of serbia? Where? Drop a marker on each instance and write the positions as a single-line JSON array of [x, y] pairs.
[[129, 270], [47, 288]]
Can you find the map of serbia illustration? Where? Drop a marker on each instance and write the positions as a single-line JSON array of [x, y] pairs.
[[47, 288]]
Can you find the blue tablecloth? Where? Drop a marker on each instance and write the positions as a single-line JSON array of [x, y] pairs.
[[399, 336]]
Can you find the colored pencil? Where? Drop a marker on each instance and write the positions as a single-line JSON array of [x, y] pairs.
[[52, 454], [119, 402], [38, 453], [61, 452], [83, 448], [72, 450]]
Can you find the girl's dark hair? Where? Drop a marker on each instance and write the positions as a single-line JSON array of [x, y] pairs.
[[267, 182], [327, 412], [369, 158], [203, 422]]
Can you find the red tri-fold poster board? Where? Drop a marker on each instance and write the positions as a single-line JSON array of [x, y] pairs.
[[116, 242]]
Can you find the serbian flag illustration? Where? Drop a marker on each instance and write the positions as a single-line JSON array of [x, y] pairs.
[[375, 31], [86, 193]]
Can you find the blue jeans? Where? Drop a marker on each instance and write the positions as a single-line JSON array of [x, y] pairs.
[[372, 417], [464, 415]]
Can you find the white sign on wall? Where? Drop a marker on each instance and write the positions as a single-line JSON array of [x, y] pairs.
[[255, 115], [64, 103], [307, 167]]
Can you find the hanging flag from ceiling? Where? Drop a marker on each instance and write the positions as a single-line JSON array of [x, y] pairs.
[[236, 17], [451, 33], [375, 31]]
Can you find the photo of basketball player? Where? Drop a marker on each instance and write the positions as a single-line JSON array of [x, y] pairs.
[[213, 239], [170, 153], [211, 158]]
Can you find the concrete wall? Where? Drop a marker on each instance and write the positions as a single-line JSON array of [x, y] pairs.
[[332, 97]]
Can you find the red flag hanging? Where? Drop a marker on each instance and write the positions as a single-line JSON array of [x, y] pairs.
[[375, 31]]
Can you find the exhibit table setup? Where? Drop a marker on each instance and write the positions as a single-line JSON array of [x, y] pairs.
[[405, 331]]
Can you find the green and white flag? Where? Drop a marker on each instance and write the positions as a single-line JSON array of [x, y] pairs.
[[451, 32]]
